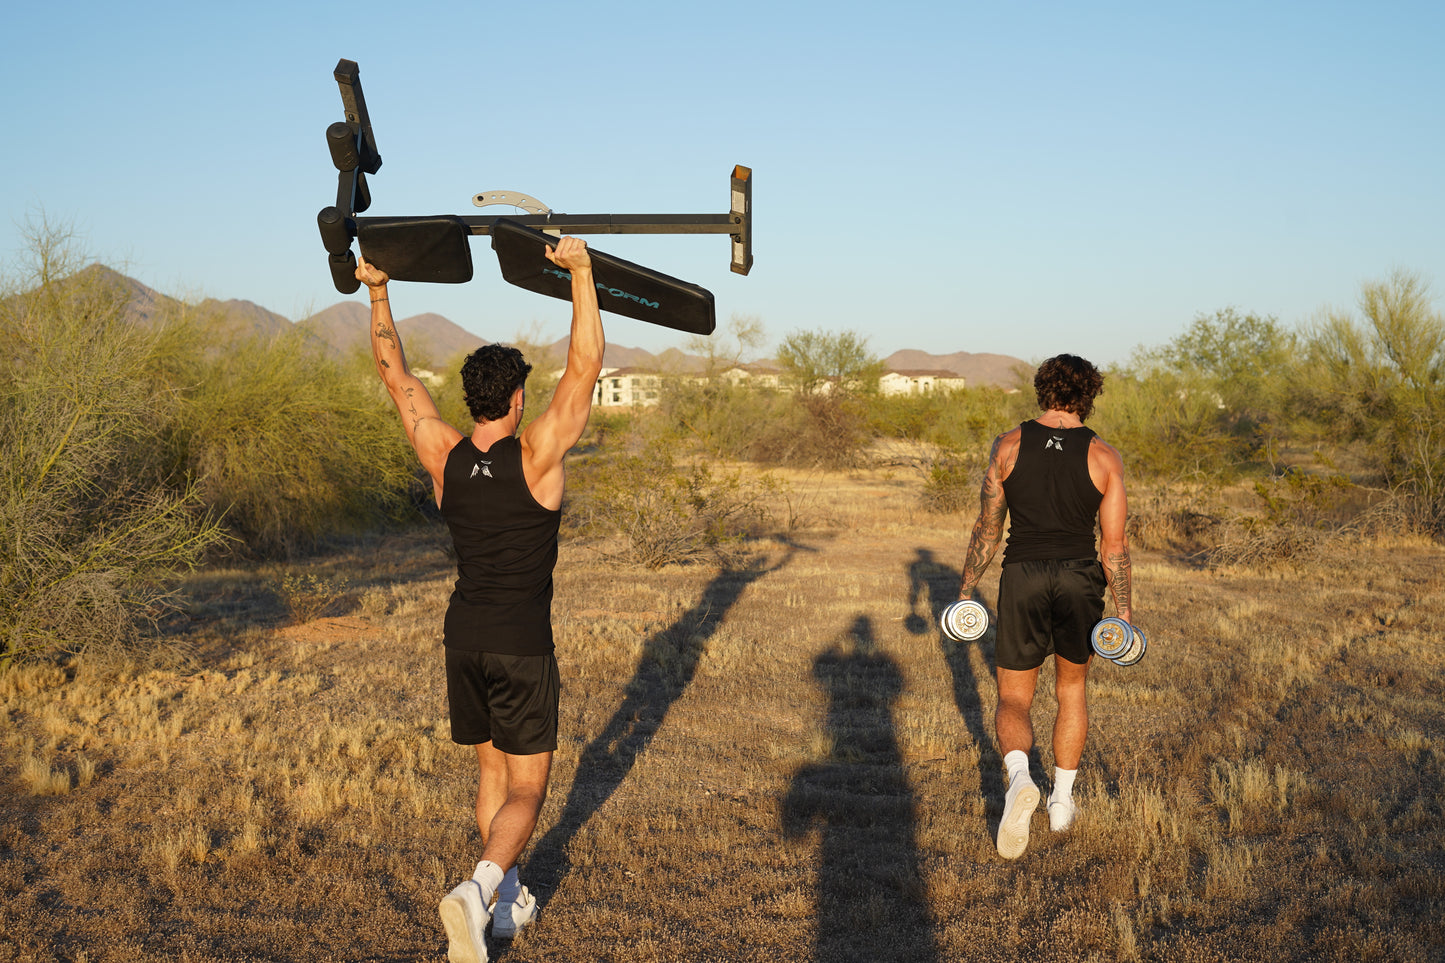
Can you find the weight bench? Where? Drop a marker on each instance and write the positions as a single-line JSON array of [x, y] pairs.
[[436, 248]]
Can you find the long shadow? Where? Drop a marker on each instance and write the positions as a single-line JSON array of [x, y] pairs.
[[936, 585], [669, 661], [871, 900]]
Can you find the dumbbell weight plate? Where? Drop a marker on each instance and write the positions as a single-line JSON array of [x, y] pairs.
[[964, 620], [1137, 646], [1111, 637]]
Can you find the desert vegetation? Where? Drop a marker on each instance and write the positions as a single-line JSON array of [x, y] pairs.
[[769, 750]]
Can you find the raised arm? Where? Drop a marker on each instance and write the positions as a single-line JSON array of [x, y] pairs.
[[547, 439], [992, 510], [430, 436], [1113, 517]]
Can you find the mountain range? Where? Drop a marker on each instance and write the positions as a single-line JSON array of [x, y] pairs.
[[432, 339]]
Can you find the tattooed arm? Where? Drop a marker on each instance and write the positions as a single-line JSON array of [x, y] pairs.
[[992, 510], [430, 436], [1107, 470]]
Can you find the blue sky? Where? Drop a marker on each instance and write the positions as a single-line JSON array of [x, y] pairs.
[[1019, 178]]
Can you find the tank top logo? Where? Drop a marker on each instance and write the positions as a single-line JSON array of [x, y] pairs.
[[481, 466], [1054, 441]]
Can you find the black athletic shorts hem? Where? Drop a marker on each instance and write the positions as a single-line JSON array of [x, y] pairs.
[[1048, 608], [507, 700]]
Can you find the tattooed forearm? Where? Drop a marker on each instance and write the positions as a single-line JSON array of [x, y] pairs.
[[386, 334], [1118, 570], [987, 532]]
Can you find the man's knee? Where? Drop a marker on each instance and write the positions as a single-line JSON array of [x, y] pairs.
[[1069, 676], [1016, 688], [531, 795]]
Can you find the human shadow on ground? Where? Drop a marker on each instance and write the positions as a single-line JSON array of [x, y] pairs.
[[871, 900], [935, 585], [670, 658]]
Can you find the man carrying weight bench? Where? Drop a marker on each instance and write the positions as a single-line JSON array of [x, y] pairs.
[[501, 497]]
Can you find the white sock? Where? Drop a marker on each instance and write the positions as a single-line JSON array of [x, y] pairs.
[[510, 888], [489, 877], [1063, 784], [1017, 764]]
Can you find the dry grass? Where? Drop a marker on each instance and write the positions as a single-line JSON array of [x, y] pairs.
[[780, 761]]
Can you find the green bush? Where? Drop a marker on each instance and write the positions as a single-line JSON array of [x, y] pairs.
[[1378, 380], [1203, 407], [294, 446], [958, 420], [665, 512], [309, 596], [1169, 427], [953, 480], [814, 431], [95, 524], [717, 416]]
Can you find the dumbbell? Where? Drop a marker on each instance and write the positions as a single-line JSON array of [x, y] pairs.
[[1118, 641], [964, 620]]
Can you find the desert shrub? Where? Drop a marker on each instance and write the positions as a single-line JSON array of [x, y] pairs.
[[308, 596], [665, 512], [294, 446], [1241, 360], [814, 431], [1204, 406], [1308, 499], [607, 429], [1169, 426], [770, 427], [1296, 517], [951, 483], [1247, 540], [95, 526], [958, 420], [718, 416], [827, 362], [1178, 518], [1379, 380]]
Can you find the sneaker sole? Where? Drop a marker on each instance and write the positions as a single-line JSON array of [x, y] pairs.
[[461, 947], [1013, 830]]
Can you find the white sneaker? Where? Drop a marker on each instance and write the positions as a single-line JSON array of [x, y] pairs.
[[1019, 804], [465, 917], [1062, 813], [509, 918]]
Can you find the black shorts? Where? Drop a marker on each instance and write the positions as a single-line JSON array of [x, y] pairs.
[[1048, 607], [507, 700]]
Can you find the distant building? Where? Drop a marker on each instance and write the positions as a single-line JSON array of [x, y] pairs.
[[753, 375], [628, 387], [634, 386], [917, 381]]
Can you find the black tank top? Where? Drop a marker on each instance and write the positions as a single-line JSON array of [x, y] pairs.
[[1052, 501], [506, 550]]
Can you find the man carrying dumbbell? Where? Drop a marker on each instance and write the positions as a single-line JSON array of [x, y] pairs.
[[1053, 478]]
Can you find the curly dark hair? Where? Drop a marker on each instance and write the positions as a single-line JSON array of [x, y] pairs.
[[489, 376], [1066, 382]]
